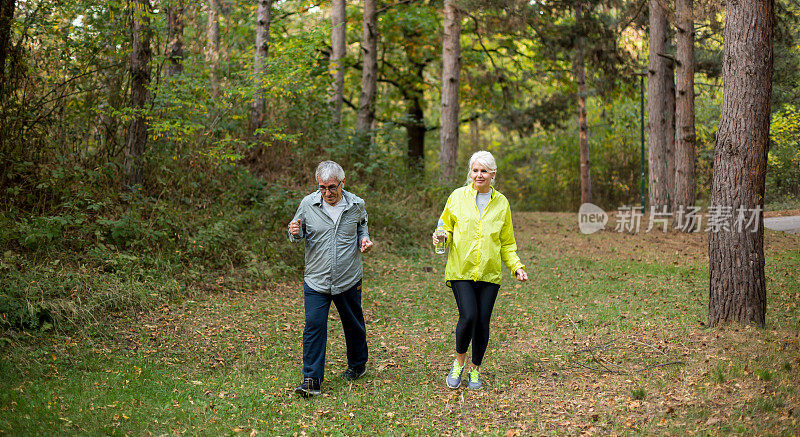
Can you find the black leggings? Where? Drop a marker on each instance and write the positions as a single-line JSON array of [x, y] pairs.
[[475, 301]]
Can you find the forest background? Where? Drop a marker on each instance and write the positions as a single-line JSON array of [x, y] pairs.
[[81, 238], [152, 153]]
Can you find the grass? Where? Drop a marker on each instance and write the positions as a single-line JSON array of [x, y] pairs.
[[607, 337]]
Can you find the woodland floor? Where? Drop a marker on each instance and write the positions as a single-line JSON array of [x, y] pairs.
[[609, 336]]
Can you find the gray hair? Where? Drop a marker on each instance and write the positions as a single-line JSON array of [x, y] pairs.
[[329, 169], [485, 159]]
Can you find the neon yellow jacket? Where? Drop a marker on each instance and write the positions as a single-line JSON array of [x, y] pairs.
[[478, 244]]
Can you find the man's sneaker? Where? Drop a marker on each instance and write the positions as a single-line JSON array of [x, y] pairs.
[[309, 387], [453, 379], [353, 373], [475, 382]]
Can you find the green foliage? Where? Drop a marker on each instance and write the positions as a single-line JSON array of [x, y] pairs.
[[783, 163], [541, 172], [708, 110]]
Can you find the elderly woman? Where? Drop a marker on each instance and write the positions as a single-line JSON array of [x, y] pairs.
[[477, 222]]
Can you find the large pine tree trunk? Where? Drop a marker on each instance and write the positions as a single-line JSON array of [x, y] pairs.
[[684, 114], [579, 71], [737, 288], [451, 70], [6, 18], [174, 53], [658, 181], [369, 69], [338, 51], [212, 45], [263, 22], [140, 93]]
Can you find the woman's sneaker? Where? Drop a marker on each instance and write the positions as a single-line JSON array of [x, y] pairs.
[[453, 379], [475, 382]]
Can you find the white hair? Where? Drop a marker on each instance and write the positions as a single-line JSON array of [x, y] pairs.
[[485, 159], [329, 169]]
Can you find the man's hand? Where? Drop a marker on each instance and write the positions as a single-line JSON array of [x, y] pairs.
[[366, 245], [521, 275], [294, 228]]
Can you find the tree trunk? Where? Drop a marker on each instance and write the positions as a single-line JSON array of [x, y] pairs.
[[684, 114], [737, 288], [338, 51], [475, 134], [658, 182], [264, 20], [212, 45], [415, 130], [175, 38], [451, 69], [669, 136], [140, 93], [369, 77], [6, 18], [114, 100], [579, 71]]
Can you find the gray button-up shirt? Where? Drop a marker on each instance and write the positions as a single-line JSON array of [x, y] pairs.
[[333, 250]]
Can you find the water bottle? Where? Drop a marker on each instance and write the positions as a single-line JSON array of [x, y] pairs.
[[441, 234]]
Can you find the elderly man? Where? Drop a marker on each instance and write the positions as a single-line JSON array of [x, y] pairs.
[[334, 224]]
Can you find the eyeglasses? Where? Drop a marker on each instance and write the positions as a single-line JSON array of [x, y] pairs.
[[330, 188]]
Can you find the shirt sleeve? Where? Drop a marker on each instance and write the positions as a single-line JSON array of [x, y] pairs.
[[299, 214], [447, 220], [508, 244], [363, 227]]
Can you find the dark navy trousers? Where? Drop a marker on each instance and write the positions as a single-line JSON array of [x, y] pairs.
[[315, 333]]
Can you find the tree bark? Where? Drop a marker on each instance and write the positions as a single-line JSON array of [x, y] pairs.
[[475, 134], [212, 45], [140, 93], [369, 77], [264, 20], [737, 288], [684, 114], [6, 18], [579, 72], [115, 98], [658, 182], [451, 70], [338, 51], [175, 38], [669, 136]]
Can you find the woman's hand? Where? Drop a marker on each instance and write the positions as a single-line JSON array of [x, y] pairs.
[[521, 275], [436, 238]]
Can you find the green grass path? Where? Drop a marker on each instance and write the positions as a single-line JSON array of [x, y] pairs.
[[607, 337]]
